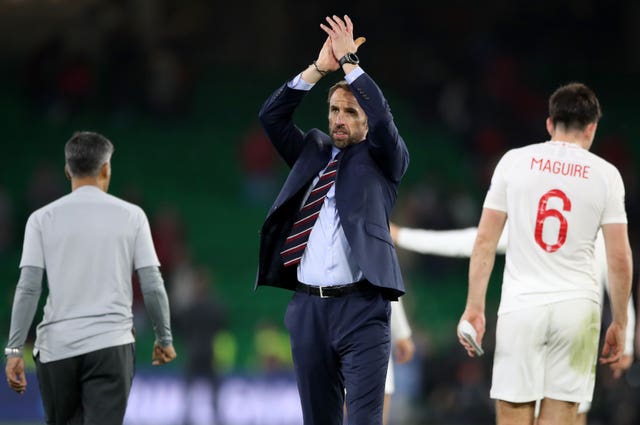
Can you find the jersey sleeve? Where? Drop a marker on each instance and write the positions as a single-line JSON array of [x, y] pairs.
[[496, 198], [144, 254], [32, 249], [614, 211], [448, 243]]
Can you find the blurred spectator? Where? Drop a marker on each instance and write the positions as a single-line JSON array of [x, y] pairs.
[[455, 389], [453, 106], [6, 222], [169, 237], [273, 348], [76, 81], [168, 83], [41, 73], [124, 69], [45, 185], [615, 401], [258, 162], [198, 317]]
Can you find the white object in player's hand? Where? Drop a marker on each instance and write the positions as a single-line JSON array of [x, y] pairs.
[[469, 333]]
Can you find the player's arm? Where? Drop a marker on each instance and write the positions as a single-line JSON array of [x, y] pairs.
[[25, 304], [448, 243], [631, 324], [401, 333], [626, 360], [618, 251], [156, 303], [480, 268], [602, 271]]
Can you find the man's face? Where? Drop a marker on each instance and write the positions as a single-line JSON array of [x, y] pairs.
[[347, 120]]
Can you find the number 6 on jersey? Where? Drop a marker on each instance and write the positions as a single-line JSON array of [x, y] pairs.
[[544, 213]]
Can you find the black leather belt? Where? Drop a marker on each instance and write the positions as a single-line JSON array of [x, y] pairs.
[[334, 291]]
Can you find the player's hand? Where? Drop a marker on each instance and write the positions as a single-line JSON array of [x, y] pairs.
[[619, 367], [613, 344], [162, 355], [404, 350], [394, 229], [16, 378], [477, 320]]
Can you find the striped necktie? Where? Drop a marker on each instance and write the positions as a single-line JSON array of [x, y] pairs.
[[296, 242]]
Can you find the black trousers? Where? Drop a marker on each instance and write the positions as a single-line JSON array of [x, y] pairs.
[[340, 344], [90, 389]]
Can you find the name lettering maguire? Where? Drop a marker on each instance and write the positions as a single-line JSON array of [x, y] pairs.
[[562, 168]]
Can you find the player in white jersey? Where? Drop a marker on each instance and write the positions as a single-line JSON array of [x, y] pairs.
[[459, 243], [557, 196]]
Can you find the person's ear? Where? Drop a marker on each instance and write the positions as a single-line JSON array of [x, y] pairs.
[[105, 171], [67, 172], [550, 126], [590, 130]]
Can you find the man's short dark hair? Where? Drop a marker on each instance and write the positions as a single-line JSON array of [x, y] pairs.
[[342, 84], [86, 152], [574, 106]]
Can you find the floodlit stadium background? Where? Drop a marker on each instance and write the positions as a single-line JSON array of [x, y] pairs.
[[176, 85]]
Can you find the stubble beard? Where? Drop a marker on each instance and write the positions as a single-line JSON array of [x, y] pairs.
[[343, 143]]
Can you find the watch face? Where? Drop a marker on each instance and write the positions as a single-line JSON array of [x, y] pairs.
[[349, 58]]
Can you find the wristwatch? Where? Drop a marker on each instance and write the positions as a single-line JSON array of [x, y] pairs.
[[349, 58], [13, 352]]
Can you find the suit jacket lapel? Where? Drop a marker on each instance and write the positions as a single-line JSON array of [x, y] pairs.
[[304, 170]]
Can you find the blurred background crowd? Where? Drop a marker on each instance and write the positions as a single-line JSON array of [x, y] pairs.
[[176, 85]]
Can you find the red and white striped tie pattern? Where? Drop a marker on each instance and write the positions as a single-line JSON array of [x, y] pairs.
[[296, 243]]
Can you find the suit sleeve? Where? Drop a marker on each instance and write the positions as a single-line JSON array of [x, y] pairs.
[[387, 146], [276, 117]]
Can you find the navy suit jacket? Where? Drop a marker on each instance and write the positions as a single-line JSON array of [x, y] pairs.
[[366, 186]]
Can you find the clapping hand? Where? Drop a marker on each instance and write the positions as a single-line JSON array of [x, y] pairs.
[[338, 43]]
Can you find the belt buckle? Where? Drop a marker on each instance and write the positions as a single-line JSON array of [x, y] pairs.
[[321, 294]]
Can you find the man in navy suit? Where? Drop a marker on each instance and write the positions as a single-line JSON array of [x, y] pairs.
[[343, 265]]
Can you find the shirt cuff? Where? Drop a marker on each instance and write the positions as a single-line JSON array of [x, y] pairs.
[[299, 84], [353, 75]]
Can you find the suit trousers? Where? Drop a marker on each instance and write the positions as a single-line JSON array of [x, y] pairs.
[[89, 389], [340, 344]]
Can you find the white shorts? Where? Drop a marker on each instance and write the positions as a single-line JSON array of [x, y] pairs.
[[547, 351], [389, 386], [583, 408]]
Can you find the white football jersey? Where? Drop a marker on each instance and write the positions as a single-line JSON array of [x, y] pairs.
[[556, 196]]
